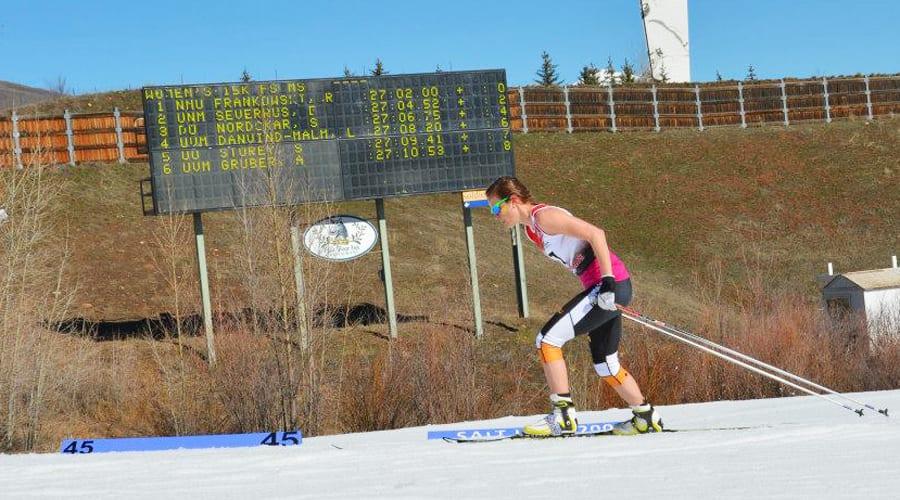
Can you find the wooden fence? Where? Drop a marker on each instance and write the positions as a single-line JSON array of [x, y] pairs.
[[72, 138], [105, 137], [655, 107]]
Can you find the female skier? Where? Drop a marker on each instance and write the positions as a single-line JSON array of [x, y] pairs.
[[582, 248]]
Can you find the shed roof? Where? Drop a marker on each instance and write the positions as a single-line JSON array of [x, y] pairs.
[[876, 279]]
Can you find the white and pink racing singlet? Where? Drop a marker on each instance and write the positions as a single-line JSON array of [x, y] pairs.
[[576, 254]]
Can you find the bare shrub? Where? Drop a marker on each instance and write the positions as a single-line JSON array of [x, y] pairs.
[[33, 258]]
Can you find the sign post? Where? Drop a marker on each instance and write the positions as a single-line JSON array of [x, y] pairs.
[[204, 288], [386, 268], [519, 265], [473, 271], [301, 290]]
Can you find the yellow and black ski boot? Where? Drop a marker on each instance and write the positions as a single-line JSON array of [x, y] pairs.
[[646, 419], [562, 419]]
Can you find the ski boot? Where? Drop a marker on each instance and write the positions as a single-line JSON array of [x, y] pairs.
[[645, 419], [561, 420]]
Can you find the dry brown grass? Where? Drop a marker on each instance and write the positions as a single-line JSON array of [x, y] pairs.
[[752, 298]]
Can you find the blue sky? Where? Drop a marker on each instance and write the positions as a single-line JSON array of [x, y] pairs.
[[104, 45]]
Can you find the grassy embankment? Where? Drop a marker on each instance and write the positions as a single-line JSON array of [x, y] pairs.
[[724, 232]]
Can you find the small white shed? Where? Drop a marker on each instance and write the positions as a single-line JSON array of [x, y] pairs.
[[874, 294]]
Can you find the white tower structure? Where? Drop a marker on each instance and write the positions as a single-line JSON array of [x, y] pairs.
[[666, 28]]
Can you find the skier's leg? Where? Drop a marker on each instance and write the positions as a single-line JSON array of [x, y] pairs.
[[604, 351], [549, 341], [604, 344]]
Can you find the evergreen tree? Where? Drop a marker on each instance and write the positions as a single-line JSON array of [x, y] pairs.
[[751, 74], [588, 75], [627, 72], [610, 71], [379, 68], [245, 76], [547, 75]]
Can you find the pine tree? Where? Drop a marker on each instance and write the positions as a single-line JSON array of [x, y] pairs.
[[588, 75], [245, 76], [547, 75], [627, 72], [610, 71], [751, 74], [379, 68]]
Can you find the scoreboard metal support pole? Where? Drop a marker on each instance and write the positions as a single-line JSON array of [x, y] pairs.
[[386, 268], [519, 267], [473, 272], [301, 289], [204, 287]]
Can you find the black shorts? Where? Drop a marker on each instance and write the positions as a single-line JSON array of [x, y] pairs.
[[578, 316]]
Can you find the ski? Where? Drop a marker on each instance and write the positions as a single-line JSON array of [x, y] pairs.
[[494, 439]]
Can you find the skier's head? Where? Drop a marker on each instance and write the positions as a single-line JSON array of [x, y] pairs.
[[509, 187], [506, 195]]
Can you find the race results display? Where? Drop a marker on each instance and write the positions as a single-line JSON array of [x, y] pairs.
[[230, 145]]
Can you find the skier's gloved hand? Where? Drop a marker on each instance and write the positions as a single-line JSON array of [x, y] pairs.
[[603, 295]]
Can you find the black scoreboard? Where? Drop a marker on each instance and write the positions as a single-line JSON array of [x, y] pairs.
[[286, 142]]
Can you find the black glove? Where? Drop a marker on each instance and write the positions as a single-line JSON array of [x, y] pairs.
[[604, 294]]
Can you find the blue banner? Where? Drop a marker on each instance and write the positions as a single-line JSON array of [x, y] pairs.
[[511, 431], [83, 446]]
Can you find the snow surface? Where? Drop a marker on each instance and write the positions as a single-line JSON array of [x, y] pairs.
[[805, 448]]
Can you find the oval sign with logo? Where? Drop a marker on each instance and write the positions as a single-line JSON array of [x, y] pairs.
[[340, 238]]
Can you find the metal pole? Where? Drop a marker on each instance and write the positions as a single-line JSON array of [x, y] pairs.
[[699, 109], [473, 271], [69, 141], [568, 109], [17, 147], [386, 268], [636, 316], [524, 113], [868, 97], [301, 290], [650, 324], [827, 103], [120, 144], [741, 102], [519, 267], [784, 107], [204, 287], [612, 107], [655, 109]]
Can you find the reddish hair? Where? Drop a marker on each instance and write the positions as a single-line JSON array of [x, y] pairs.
[[509, 186]]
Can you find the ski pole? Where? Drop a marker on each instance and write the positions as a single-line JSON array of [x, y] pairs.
[[775, 369], [754, 369], [883, 411]]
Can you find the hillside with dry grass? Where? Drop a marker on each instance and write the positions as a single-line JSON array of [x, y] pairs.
[[724, 232]]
